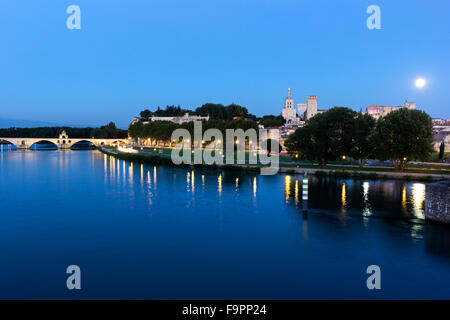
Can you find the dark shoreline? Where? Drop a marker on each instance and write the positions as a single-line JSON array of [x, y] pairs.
[[338, 173]]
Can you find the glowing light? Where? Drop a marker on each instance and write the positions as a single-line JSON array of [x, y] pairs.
[[366, 210], [344, 198], [420, 83], [127, 150], [404, 200], [287, 183], [418, 198], [219, 181]]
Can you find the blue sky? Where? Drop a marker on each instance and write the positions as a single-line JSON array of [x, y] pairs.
[[134, 54]]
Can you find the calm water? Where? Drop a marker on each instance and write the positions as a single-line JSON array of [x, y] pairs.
[[140, 231]]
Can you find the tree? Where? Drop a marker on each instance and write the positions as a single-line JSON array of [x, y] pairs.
[[301, 143], [442, 151], [146, 114], [220, 112], [364, 127], [235, 110], [331, 135], [403, 135], [215, 111], [109, 131], [272, 121], [326, 137]]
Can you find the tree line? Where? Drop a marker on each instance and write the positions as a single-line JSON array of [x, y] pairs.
[[160, 132], [338, 133], [109, 131], [213, 110], [216, 112]]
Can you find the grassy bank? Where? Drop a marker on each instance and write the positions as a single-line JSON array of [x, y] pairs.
[[164, 159], [155, 157]]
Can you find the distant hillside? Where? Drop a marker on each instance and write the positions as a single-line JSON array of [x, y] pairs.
[[8, 123]]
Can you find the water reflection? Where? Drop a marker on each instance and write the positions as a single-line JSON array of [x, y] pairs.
[[404, 202], [305, 227], [393, 198], [344, 198], [418, 199], [287, 187], [366, 187], [151, 230], [130, 173], [188, 181]]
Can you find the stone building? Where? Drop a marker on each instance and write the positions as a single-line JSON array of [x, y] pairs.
[[289, 113], [378, 111], [183, 119]]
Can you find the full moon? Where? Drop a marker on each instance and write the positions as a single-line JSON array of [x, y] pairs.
[[420, 82]]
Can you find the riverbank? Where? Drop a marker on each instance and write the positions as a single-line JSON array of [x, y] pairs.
[[162, 158]]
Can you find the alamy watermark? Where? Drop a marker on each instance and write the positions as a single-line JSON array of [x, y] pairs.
[[374, 280], [208, 147], [74, 20], [374, 20], [74, 280]]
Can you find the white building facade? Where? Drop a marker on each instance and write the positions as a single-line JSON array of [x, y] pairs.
[[289, 113]]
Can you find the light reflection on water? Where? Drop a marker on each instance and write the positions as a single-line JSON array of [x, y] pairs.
[[418, 199], [410, 200], [287, 182], [344, 198], [366, 188]]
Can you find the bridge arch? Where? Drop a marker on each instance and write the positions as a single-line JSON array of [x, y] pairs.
[[6, 142], [35, 143], [79, 142], [120, 141]]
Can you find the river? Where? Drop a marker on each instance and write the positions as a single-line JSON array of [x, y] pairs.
[[147, 232]]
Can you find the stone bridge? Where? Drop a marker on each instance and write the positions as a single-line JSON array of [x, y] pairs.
[[62, 142]]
